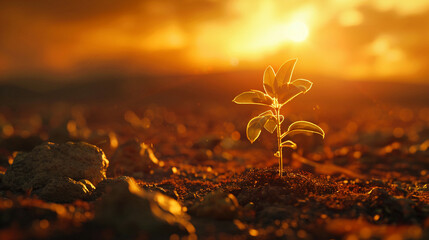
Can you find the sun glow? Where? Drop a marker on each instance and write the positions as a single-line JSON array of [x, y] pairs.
[[297, 31]]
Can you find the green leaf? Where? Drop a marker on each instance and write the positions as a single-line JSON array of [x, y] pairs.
[[269, 77], [303, 127], [271, 123], [302, 84], [255, 125], [284, 74], [253, 97], [288, 143], [295, 88], [266, 113]]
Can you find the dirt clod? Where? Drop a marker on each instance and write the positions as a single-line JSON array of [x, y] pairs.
[[129, 209], [64, 190], [36, 169], [133, 156], [217, 205]]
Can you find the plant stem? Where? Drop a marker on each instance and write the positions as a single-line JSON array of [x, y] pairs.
[[279, 142]]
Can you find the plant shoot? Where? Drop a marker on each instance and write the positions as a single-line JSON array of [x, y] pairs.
[[279, 90]]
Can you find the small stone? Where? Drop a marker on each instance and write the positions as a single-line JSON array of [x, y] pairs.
[[109, 184], [218, 205], [128, 209], [64, 190], [88, 184], [131, 157]]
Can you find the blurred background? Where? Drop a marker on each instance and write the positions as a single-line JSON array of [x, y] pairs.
[[345, 40], [166, 71], [115, 61]]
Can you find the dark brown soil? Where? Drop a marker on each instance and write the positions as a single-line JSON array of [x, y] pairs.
[[368, 179]]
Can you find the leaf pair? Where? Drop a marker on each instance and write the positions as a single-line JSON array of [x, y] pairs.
[[280, 85], [303, 127], [277, 86], [265, 120], [274, 82], [253, 97], [268, 121], [284, 144]]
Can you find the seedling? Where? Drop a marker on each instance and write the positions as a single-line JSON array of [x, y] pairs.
[[279, 90]]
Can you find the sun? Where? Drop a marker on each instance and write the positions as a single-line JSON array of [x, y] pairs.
[[297, 31]]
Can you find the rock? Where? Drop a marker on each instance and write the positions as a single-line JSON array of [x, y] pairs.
[[130, 210], [64, 190], [132, 156], [36, 169], [218, 205], [88, 184], [109, 184]]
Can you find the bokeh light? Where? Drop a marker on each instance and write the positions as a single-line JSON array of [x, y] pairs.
[[367, 40]]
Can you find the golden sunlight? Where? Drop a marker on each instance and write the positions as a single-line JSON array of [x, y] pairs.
[[297, 31], [377, 39]]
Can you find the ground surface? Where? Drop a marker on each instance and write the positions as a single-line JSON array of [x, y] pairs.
[[367, 180]]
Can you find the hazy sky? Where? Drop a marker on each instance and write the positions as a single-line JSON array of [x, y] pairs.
[[374, 39]]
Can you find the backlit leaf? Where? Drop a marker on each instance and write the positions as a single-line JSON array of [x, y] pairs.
[[293, 89], [253, 97], [284, 74], [254, 127], [302, 84], [271, 124], [269, 77], [266, 113], [303, 127], [288, 143]]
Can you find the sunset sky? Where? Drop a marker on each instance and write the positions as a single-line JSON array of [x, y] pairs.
[[356, 40]]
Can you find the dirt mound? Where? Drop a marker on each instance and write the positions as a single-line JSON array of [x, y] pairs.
[[131, 157], [266, 186], [217, 205], [65, 189], [51, 168], [131, 210]]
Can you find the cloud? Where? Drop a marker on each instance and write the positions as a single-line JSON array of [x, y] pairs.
[[191, 36]]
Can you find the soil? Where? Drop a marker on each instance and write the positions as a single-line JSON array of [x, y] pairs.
[[368, 179]]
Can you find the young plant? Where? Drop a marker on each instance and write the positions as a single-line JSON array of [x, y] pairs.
[[279, 90]]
